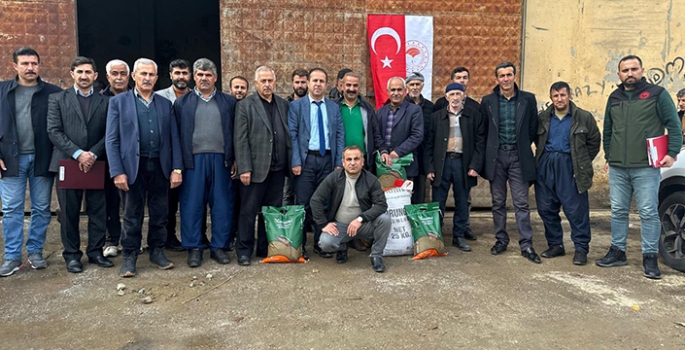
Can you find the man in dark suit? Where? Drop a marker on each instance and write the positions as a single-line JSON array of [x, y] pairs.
[[205, 122], [144, 153], [77, 119], [512, 120], [25, 152], [414, 96], [318, 138], [454, 157], [401, 124], [117, 72], [180, 74], [263, 152]]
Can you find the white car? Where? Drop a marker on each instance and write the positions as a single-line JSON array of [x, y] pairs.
[[672, 214]]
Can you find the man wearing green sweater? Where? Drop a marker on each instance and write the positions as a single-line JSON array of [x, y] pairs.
[[635, 111]]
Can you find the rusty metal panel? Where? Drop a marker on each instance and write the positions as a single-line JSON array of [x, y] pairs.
[[291, 34], [48, 26], [288, 35]]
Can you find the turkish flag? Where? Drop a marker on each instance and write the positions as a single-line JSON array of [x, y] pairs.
[[387, 52], [399, 46]]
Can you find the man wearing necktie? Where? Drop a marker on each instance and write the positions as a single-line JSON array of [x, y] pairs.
[[317, 134]]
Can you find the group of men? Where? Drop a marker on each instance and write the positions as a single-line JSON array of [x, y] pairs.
[[235, 153]]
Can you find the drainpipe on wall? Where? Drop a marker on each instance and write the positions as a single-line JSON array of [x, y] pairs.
[[523, 43]]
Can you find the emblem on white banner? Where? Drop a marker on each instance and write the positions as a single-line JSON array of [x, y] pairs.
[[417, 56]]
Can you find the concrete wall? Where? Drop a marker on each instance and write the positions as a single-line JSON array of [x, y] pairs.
[[581, 41]]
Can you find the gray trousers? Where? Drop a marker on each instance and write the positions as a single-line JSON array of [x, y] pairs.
[[508, 169], [378, 229]]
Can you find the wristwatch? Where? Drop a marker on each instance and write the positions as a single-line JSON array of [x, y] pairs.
[[178, 171], [360, 219]]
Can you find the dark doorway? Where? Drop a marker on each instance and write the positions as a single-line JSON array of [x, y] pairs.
[[161, 30]]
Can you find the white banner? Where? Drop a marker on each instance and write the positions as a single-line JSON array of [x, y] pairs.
[[419, 49]]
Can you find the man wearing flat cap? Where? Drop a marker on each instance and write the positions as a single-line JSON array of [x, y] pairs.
[[414, 87], [454, 157]]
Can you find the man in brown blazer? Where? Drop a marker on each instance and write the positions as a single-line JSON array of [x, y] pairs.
[[77, 118], [262, 150]]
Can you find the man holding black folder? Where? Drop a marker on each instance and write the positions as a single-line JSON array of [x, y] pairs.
[[77, 119], [635, 111]]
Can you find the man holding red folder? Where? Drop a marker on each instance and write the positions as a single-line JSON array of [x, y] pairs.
[[77, 118], [636, 111]]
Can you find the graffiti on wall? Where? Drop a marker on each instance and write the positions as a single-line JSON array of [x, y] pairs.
[[670, 75]]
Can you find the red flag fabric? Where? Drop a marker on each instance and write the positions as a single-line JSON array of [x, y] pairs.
[[387, 52]]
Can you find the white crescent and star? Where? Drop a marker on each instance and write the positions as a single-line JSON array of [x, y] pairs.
[[385, 31]]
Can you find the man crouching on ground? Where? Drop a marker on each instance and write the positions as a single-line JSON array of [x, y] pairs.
[[356, 210]]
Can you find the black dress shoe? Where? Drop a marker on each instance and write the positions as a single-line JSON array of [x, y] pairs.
[[461, 244], [74, 266], [220, 256], [530, 254], [100, 260], [305, 255], [174, 246], [377, 264], [469, 235], [579, 258], [158, 259], [322, 254], [341, 256], [554, 251], [194, 258], [498, 248], [244, 260], [358, 245]]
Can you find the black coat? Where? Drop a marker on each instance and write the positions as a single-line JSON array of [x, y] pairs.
[[473, 144], [427, 109], [526, 132], [331, 190], [9, 150]]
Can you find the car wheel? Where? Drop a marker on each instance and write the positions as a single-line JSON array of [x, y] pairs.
[[672, 241]]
